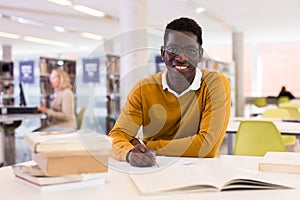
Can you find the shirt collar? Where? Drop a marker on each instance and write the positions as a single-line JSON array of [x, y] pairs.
[[194, 86]]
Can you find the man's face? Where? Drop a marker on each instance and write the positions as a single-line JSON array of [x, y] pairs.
[[181, 54]]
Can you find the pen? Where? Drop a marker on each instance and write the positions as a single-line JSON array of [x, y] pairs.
[[141, 141]]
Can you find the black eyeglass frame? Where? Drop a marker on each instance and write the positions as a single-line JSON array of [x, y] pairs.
[[174, 50]]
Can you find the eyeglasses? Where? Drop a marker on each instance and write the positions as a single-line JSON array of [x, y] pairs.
[[189, 51]]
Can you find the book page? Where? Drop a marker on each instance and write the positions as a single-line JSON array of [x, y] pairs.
[[172, 179], [200, 177]]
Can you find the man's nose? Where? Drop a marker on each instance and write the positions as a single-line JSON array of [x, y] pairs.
[[180, 57]]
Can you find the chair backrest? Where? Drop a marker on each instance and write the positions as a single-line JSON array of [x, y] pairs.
[[293, 111], [260, 101], [256, 137], [282, 99], [283, 113], [289, 105], [276, 113], [80, 116]]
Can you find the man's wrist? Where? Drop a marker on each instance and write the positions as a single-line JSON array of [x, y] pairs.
[[127, 156]]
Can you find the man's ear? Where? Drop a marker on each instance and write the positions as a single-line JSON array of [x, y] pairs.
[[200, 54], [162, 53]]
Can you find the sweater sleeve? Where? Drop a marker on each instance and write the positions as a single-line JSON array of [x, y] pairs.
[[213, 123], [127, 125], [67, 102]]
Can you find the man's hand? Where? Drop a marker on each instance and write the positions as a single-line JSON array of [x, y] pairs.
[[142, 156]]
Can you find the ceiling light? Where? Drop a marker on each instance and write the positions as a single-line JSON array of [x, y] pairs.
[[60, 62], [25, 21], [200, 10], [61, 2], [92, 36], [59, 28], [45, 41], [9, 35], [89, 11]]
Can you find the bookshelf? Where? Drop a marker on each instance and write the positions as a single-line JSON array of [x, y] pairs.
[[113, 90], [7, 82], [46, 66]]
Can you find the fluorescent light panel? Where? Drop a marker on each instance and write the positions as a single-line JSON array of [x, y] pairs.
[[9, 35], [89, 11], [59, 28], [47, 42], [22, 20], [61, 2], [92, 36]]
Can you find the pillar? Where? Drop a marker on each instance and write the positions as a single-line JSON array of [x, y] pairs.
[[237, 55], [7, 55], [133, 42]]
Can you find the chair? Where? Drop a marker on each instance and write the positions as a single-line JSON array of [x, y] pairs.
[[256, 137], [289, 105], [283, 113], [282, 99], [260, 102], [80, 116]]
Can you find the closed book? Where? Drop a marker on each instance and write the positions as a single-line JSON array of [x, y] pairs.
[[66, 164], [67, 141], [32, 173], [63, 186], [283, 162]]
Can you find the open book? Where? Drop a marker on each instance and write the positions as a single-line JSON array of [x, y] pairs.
[[285, 162], [200, 178]]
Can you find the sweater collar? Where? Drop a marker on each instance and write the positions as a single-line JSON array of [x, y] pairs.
[[194, 86]]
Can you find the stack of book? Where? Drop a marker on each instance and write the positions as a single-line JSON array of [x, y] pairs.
[[78, 158]]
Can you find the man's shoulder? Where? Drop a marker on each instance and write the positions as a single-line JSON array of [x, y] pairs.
[[155, 78], [211, 74]]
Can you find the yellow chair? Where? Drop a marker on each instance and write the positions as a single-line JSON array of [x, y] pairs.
[[282, 99], [289, 105], [293, 111], [80, 116], [283, 113], [260, 102], [256, 137]]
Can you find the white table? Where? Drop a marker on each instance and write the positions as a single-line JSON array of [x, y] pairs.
[[119, 186], [8, 119], [285, 128]]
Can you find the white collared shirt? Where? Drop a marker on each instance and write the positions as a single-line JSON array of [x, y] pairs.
[[194, 86]]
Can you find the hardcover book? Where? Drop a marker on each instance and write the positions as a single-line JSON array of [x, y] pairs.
[[67, 141], [31, 175], [64, 164], [284, 162]]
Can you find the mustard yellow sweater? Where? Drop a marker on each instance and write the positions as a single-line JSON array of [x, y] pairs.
[[192, 125]]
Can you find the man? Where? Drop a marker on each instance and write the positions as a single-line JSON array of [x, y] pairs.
[[183, 111]]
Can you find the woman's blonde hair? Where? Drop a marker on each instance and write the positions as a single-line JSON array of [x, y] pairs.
[[64, 79]]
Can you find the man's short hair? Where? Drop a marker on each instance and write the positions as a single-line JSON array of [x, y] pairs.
[[184, 24]]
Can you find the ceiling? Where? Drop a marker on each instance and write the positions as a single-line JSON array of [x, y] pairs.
[[260, 21]]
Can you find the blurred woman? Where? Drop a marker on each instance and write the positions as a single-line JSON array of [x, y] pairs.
[[61, 115]]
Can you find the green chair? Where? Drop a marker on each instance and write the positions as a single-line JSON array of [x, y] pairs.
[[260, 102], [80, 116], [256, 137], [283, 113]]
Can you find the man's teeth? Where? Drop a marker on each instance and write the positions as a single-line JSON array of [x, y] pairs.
[[180, 67]]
